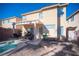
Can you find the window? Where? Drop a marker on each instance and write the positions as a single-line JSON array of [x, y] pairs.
[[24, 18], [8, 21], [50, 26], [3, 22], [40, 15], [72, 19]]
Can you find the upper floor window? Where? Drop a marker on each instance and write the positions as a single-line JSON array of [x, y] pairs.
[[50, 26], [72, 19], [40, 15], [24, 17], [3, 22], [8, 21]]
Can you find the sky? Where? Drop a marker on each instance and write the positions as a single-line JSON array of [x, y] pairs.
[[16, 9]]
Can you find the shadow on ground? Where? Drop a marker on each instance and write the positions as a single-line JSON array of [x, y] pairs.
[[67, 51]]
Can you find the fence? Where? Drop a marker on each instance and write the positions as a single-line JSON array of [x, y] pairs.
[[5, 34]]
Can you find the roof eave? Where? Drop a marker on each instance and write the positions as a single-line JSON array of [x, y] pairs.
[[44, 8], [9, 18], [72, 14]]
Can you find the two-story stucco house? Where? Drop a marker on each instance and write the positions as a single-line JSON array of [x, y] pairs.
[[50, 20], [8, 22], [72, 25]]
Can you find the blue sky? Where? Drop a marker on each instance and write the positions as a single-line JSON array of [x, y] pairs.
[[16, 9]]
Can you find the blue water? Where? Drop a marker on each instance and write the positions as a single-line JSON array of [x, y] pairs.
[[7, 46]]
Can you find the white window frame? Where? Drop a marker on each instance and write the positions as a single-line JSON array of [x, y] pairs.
[[24, 18]]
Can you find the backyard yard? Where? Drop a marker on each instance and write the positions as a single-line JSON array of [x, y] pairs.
[[45, 48]]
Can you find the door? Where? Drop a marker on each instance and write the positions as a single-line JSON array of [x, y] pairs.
[[71, 35]]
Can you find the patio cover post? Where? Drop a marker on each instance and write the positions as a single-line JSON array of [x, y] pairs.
[[36, 31], [13, 24]]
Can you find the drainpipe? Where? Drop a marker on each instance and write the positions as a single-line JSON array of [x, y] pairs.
[[58, 23], [59, 13]]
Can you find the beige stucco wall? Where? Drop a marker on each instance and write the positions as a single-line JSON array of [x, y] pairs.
[[8, 24], [63, 21], [74, 23], [49, 17], [31, 17]]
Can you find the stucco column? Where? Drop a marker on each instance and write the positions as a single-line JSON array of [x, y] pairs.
[[13, 24], [23, 31], [36, 32]]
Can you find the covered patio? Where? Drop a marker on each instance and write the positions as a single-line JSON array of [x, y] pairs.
[[34, 26]]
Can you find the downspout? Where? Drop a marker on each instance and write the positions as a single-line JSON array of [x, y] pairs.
[[58, 23]]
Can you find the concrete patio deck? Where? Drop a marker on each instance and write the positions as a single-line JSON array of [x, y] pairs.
[[42, 48]]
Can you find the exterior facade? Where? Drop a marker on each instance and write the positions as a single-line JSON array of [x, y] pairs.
[[50, 20], [8, 23], [73, 20], [73, 24]]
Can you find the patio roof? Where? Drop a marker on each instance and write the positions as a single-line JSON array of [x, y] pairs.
[[28, 22]]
